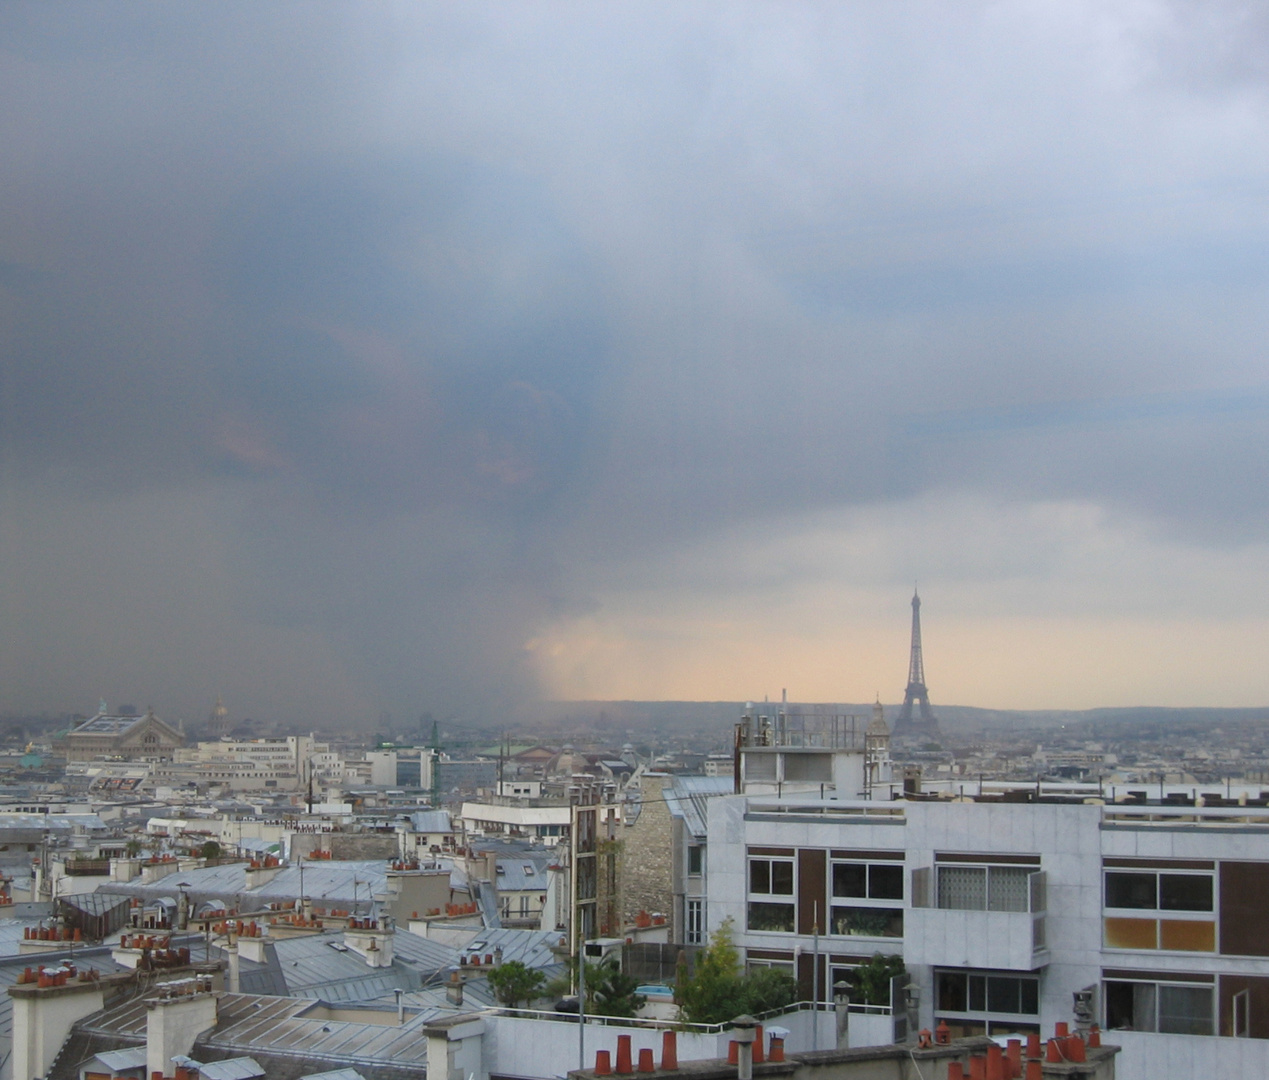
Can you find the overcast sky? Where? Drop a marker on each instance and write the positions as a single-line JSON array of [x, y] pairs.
[[397, 357]]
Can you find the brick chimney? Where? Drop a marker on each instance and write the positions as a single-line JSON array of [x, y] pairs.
[[371, 939], [176, 1017], [43, 1012]]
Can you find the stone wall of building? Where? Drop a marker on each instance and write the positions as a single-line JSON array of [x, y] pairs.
[[647, 855]]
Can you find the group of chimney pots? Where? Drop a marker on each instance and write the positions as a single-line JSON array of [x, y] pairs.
[[1011, 1063], [646, 1062]]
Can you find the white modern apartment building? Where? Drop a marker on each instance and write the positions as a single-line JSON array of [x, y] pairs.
[[1156, 916], [282, 764]]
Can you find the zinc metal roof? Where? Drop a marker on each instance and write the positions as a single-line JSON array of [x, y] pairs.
[[272, 1026], [531, 947], [523, 873], [313, 969], [430, 821], [131, 1057], [335, 1074], [335, 883], [239, 1068], [688, 798]]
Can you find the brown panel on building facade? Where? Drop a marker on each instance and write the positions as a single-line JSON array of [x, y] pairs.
[[812, 890], [1257, 1006], [807, 979], [896, 856], [1000, 860], [788, 852], [770, 954], [1138, 975], [1161, 864], [1244, 889]]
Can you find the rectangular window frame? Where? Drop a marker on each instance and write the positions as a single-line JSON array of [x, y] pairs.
[[1002, 884], [866, 906], [694, 918], [981, 988], [772, 894], [1155, 1003], [695, 860], [1153, 885]]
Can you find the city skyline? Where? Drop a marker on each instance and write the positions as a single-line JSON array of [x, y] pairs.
[[429, 357]]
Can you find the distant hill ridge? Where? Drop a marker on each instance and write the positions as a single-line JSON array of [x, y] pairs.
[[953, 717]]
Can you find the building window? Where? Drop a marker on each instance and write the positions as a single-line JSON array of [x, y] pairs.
[[985, 888], [1169, 1008], [695, 859], [695, 922], [775, 965], [770, 879], [854, 885], [1151, 891], [986, 1001], [1184, 902]]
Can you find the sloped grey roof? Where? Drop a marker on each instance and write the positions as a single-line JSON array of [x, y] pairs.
[[271, 1026], [489, 905], [132, 1057], [430, 821], [523, 873], [531, 947], [337, 884], [688, 798], [239, 1068], [312, 968]]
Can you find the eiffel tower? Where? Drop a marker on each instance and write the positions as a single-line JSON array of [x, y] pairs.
[[916, 693]]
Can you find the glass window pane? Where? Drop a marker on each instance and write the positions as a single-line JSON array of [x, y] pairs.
[[963, 888], [868, 922], [1002, 994], [850, 879], [1008, 888], [694, 859], [1131, 890], [759, 876], [1029, 997], [978, 993], [771, 917], [1185, 1010], [1185, 892], [950, 991], [1143, 1006], [782, 878], [1119, 1006], [885, 882]]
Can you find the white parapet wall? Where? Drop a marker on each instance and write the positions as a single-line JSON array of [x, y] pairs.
[[1149, 1056]]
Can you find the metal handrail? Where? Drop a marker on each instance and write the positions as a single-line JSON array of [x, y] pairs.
[[680, 1025]]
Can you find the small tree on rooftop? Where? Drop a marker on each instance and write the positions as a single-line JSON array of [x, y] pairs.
[[610, 992], [870, 982], [719, 990], [513, 983]]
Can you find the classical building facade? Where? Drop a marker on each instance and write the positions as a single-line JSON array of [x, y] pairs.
[[126, 735]]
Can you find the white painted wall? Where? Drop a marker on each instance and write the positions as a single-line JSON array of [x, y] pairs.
[[1148, 1056]]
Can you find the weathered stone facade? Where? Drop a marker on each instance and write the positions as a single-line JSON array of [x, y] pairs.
[[648, 854]]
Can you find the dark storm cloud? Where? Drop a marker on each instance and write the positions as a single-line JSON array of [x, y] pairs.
[[435, 315]]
